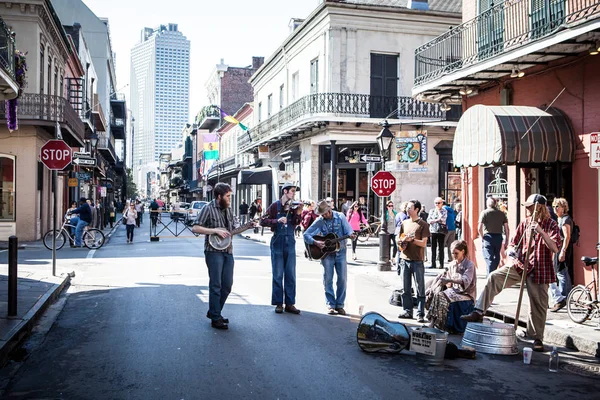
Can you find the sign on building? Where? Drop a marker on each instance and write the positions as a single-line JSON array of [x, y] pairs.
[[595, 150], [102, 191], [410, 149], [73, 182], [263, 152]]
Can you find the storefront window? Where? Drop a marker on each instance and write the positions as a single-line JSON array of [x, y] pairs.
[[7, 188]]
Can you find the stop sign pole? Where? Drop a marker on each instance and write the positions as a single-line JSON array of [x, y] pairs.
[[56, 155], [383, 185]]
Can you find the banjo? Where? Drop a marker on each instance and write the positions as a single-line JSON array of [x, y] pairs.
[[220, 243]]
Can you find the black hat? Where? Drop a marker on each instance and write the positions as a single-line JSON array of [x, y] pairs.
[[82, 199]]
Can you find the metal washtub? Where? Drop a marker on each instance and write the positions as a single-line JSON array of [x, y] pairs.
[[491, 337]]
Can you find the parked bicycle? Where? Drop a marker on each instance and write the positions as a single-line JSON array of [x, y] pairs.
[[369, 230], [582, 302], [92, 238]]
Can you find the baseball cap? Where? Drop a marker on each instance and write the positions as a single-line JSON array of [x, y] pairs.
[[535, 198]]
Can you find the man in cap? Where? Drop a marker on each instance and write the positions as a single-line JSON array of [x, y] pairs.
[[283, 216], [331, 222], [85, 218], [542, 236]]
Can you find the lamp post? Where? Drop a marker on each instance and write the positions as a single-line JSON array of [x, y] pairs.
[[93, 148], [384, 141]]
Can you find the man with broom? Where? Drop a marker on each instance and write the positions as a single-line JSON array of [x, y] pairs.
[[538, 237]]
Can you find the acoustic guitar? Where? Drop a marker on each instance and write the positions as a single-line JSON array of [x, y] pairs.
[[332, 245], [220, 243]]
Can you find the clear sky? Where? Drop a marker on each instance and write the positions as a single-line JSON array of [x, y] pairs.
[[234, 30]]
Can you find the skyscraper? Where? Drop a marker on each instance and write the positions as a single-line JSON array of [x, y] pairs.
[[160, 76]]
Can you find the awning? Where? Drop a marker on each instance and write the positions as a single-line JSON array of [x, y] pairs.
[[489, 135], [256, 176]]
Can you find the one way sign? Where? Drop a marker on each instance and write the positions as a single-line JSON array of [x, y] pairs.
[[370, 158], [85, 161]]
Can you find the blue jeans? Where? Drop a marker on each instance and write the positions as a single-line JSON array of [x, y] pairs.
[[491, 244], [220, 273], [561, 291], [410, 269], [73, 221], [79, 231], [283, 264], [335, 262]]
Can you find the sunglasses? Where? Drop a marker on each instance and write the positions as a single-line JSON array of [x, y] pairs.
[[390, 205], [438, 202], [555, 207]]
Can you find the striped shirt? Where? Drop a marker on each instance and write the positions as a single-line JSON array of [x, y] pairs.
[[213, 216]]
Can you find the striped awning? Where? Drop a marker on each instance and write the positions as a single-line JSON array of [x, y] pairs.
[[492, 135]]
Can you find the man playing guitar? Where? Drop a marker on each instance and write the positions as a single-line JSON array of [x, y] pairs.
[[331, 222]]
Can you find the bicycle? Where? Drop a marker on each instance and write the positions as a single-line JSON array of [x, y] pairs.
[[582, 302], [368, 230], [92, 238]]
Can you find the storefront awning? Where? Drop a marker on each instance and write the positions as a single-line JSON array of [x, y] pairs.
[[492, 135], [256, 176]]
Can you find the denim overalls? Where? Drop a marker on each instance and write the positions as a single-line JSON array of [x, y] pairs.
[[283, 260]]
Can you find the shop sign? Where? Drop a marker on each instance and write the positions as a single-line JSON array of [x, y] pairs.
[[83, 176], [263, 152], [595, 150], [73, 182], [102, 191], [410, 149]]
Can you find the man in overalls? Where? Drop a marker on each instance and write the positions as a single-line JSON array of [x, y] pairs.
[[283, 216], [332, 222]]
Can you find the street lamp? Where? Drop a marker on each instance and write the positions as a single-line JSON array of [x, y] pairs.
[[384, 141]]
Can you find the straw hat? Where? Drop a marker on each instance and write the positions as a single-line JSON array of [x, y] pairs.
[[322, 207]]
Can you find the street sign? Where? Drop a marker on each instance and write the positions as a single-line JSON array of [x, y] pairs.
[[595, 150], [371, 167], [73, 182], [84, 176], [88, 162], [370, 158], [383, 183], [56, 154]]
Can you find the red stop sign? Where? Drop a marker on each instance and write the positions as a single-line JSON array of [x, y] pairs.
[[383, 183], [56, 154]]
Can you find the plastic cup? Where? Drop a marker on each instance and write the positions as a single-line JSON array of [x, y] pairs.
[[527, 352]]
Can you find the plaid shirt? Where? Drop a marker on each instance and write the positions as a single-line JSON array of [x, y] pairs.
[[211, 216], [541, 257]]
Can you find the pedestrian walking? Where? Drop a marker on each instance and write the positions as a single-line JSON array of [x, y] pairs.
[[99, 214], [390, 221], [562, 259], [154, 207], [111, 214], [412, 241], [94, 212], [438, 228], [542, 237], [256, 211], [458, 221], [308, 215], [364, 207], [451, 224], [355, 218], [138, 210], [491, 223], [130, 215], [330, 221], [243, 208], [216, 218], [346, 205], [283, 216], [85, 218]]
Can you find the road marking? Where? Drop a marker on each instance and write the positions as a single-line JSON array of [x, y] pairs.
[[91, 253]]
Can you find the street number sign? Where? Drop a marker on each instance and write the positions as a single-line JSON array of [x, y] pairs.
[[370, 158], [595, 150], [56, 154], [383, 184]]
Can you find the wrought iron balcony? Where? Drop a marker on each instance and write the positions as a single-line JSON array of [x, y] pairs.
[[324, 105], [117, 105], [9, 88], [209, 117], [107, 148], [117, 127], [46, 109], [506, 26]]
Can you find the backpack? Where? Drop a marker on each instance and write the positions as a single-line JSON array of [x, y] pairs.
[[575, 234]]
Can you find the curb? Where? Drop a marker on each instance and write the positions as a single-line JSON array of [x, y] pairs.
[[247, 237], [112, 231], [19, 332]]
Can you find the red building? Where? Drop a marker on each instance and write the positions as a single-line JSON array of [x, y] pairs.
[[526, 74]]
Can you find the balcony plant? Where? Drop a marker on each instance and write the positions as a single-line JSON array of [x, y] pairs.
[[21, 78]]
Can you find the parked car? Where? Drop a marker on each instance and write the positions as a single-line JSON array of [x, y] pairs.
[[179, 211], [194, 210]]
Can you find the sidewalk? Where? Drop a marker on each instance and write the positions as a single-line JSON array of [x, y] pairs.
[[36, 290], [265, 237]]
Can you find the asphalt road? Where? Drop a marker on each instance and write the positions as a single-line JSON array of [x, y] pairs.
[[133, 326]]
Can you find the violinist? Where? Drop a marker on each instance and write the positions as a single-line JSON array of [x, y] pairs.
[[283, 216]]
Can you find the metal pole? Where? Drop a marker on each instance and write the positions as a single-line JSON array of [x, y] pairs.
[[384, 239], [525, 265], [12, 275], [55, 211]]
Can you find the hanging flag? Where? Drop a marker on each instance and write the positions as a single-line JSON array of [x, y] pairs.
[[211, 146], [232, 120]]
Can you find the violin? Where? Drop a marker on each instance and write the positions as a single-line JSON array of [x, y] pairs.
[[293, 205]]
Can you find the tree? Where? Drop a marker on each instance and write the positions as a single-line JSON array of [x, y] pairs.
[[131, 186]]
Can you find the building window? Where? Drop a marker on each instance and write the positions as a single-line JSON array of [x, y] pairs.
[[7, 188], [314, 76], [281, 100], [259, 112], [55, 80], [42, 67], [269, 105], [295, 85], [49, 75]]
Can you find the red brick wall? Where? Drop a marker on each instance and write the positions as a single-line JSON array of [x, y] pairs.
[[235, 89]]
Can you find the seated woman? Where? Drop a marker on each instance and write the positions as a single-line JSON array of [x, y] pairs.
[[453, 292]]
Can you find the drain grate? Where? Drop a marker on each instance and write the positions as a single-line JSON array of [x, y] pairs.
[[590, 371]]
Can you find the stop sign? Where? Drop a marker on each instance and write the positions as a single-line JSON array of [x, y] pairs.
[[383, 183], [56, 154]]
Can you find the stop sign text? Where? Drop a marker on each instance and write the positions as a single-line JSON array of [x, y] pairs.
[[56, 154], [383, 183]]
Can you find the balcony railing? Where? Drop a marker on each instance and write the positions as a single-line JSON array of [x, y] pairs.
[[44, 107], [343, 104], [106, 144], [7, 50], [508, 25], [117, 97]]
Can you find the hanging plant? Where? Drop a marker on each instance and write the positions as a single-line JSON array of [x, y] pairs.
[[21, 78]]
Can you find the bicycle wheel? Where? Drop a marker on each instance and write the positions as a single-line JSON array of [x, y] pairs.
[[93, 238], [365, 233], [578, 304], [60, 239]]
